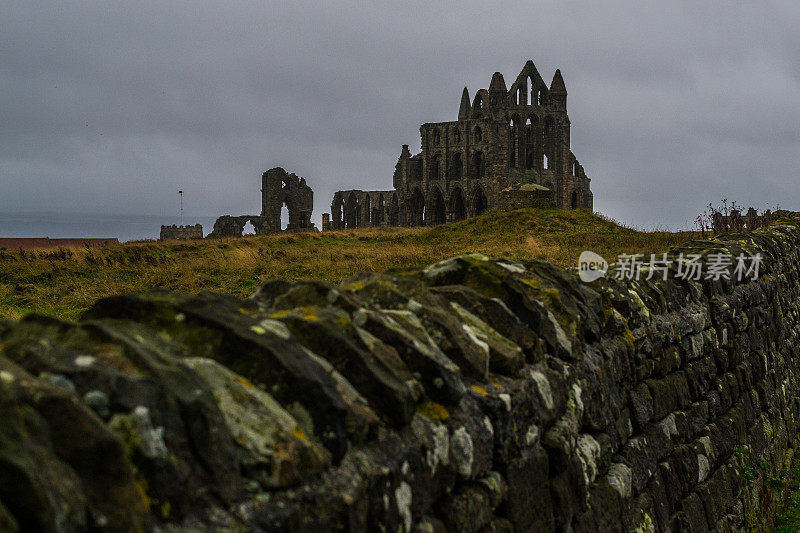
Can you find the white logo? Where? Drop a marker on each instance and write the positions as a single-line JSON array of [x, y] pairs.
[[591, 266]]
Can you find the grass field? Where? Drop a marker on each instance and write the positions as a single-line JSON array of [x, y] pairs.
[[64, 282]]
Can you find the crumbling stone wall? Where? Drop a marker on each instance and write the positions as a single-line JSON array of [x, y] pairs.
[[278, 189], [181, 232], [229, 226], [471, 395]]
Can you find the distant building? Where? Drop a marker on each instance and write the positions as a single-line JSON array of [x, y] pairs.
[[181, 232], [509, 148]]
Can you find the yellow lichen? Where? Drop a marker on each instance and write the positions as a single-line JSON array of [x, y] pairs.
[[480, 390], [141, 487], [434, 411], [299, 434], [248, 311], [534, 283], [245, 382], [310, 314], [629, 337]]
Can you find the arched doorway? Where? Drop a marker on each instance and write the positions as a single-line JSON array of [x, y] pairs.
[[284, 216], [416, 208], [457, 208], [574, 200], [248, 229], [479, 202], [437, 211]]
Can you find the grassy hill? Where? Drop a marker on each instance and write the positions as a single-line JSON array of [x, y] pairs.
[[64, 282]]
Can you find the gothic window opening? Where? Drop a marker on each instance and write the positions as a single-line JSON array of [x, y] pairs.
[[478, 134], [284, 216], [478, 164], [479, 203], [416, 208], [433, 171], [458, 166], [457, 208], [529, 144], [437, 210]]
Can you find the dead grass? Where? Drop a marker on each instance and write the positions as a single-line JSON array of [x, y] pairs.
[[65, 282]]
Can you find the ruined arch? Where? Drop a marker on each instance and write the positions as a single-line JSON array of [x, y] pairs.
[[286, 200], [337, 210], [456, 207], [574, 200], [575, 169], [545, 162], [436, 212], [479, 203], [478, 134], [416, 208], [478, 104]]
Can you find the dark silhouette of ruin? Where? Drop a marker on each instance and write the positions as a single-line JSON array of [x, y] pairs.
[[509, 148], [278, 189]]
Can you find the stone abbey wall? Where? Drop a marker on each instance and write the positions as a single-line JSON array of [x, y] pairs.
[[472, 395], [181, 232]]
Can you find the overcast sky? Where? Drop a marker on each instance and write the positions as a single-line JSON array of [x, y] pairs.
[[111, 107]]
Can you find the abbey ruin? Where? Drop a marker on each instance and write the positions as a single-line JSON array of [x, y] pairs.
[[509, 148], [278, 188]]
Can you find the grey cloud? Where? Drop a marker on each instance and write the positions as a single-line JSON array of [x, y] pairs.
[[113, 107]]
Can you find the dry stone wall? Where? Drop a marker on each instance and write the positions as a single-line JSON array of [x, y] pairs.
[[472, 395]]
